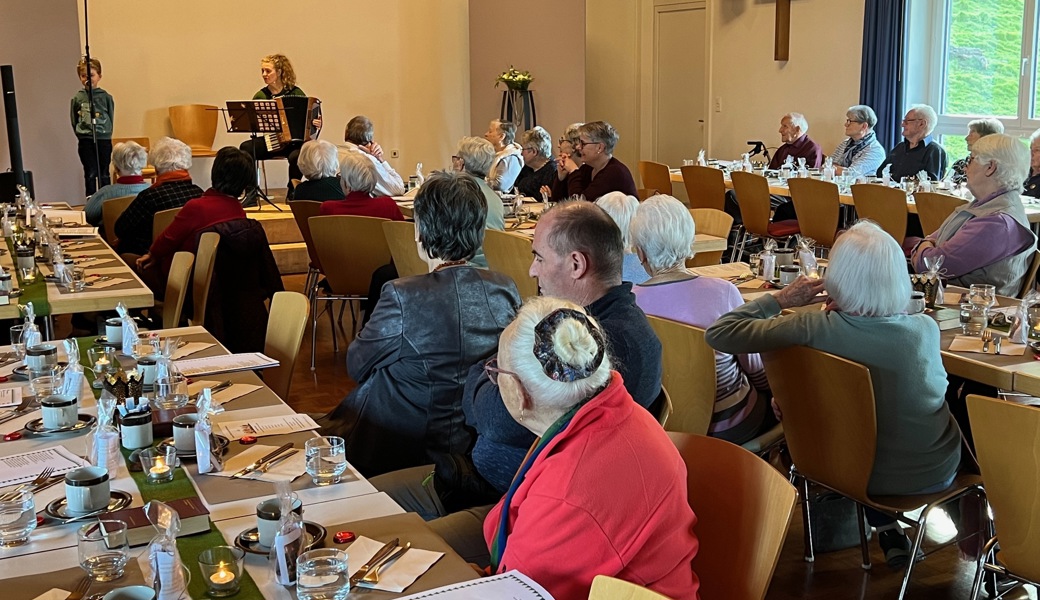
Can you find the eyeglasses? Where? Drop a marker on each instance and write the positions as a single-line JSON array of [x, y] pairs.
[[453, 157], [492, 371], [851, 121], [905, 121], [580, 143]]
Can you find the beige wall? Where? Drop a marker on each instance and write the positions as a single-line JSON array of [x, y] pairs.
[[551, 47], [39, 39], [400, 62], [612, 34]]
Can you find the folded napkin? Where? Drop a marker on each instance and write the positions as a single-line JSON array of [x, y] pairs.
[[286, 470], [97, 285], [105, 270], [99, 252], [967, 343], [53, 594], [401, 573], [237, 390], [191, 348], [751, 284]]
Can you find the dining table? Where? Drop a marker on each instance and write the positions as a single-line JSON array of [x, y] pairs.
[[50, 561]]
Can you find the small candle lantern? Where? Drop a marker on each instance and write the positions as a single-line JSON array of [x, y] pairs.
[[221, 570], [158, 463]]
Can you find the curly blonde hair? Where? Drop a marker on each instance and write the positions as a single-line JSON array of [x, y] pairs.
[[283, 67]]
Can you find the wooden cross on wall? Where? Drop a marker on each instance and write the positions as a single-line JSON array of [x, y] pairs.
[[782, 35]]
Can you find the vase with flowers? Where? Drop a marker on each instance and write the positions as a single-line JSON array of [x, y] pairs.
[[514, 79]]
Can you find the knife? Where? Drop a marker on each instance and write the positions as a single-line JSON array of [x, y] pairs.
[[213, 390], [264, 459], [267, 466], [378, 556]]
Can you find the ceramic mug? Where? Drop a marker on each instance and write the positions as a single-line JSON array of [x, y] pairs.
[[146, 367], [184, 432], [788, 273], [131, 592], [268, 513], [114, 330], [784, 256], [87, 489], [59, 411]]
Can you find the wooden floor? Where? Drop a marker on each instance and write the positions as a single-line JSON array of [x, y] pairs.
[[835, 575]]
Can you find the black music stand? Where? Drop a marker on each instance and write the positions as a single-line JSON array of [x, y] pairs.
[[255, 117]]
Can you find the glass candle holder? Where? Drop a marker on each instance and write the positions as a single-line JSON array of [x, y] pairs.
[[159, 463], [102, 362], [221, 570]]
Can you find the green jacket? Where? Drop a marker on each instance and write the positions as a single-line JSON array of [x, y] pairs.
[[104, 113]]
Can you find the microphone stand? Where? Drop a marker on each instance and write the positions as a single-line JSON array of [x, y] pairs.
[[90, 97]]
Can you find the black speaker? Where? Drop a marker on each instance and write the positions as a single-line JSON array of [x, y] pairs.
[[9, 187], [14, 141]]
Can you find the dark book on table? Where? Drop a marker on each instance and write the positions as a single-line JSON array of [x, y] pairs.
[[139, 530]]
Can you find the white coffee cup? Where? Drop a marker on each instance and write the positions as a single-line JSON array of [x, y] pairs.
[[114, 331], [184, 432], [87, 489], [784, 256], [59, 411], [146, 366], [131, 592], [268, 513], [788, 273]]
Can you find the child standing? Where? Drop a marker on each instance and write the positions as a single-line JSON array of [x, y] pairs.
[[95, 162]]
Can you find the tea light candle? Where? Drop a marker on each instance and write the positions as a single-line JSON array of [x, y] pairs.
[[158, 463], [222, 576], [160, 468], [221, 568]]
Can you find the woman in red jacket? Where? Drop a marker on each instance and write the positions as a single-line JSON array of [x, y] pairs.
[[357, 177], [603, 492]]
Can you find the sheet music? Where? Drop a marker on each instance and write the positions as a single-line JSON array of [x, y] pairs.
[[24, 467], [229, 363], [267, 426], [512, 585]]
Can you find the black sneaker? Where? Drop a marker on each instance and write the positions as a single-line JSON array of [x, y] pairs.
[[896, 546]]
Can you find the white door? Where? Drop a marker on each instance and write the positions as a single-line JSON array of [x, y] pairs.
[[680, 82]]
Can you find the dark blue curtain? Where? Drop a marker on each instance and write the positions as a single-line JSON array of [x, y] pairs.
[[881, 76]]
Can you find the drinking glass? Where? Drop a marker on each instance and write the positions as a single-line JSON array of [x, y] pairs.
[[973, 318], [326, 459], [982, 294], [322, 575], [16, 340], [171, 391], [17, 518], [103, 551], [78, 281], [45, 382]]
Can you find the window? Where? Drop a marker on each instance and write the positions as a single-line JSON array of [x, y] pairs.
[[971, 59]]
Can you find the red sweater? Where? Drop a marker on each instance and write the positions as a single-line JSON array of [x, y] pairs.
[[210, 208], [607, 496], [361, 204]]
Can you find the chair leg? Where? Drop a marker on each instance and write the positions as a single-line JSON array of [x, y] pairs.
[[740, 235], [806, 522], [314, 328], [914, 548], [980, 568], [332, 327], [864, 548]]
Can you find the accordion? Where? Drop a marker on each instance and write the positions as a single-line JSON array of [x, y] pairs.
[[296, 115]]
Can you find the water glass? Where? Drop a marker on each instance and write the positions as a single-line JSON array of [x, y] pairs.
[[221, 568], [171, 391], [45, 382], [982, 294], [1034, 322], [78, 280], [322, 575], [103, 551], [16, 340], [974, 318], [326, 459], [17, 518]]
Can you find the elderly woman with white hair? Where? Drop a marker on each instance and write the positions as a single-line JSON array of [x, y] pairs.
[[506, 164], [128, 158], [989, 240], [474, 157], [976, 129], [601, 172], [1033, 183], [918, 441], [622, 208], [172, 188], [357, 180], [918, 151], [565, 505], [662, 234], [319, 163], [539, 164]]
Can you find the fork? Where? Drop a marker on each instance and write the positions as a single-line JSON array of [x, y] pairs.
[[987, 337], [40, 479], [25, 407], [372, 577], [81, 589]]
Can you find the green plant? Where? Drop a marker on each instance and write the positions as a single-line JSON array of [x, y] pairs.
[[515, 80]]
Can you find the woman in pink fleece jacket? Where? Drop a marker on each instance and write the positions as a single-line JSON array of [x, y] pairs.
[[603, 492]]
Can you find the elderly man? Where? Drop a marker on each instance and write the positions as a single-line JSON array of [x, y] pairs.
[[359, 138], [128, 158], [794, 133], [1033, 183], [172, 188], [988, 241], [860, 151], [918, 151]]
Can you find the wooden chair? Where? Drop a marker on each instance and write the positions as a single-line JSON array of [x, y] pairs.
[[818, 206], [688, 373], [752, 192], [302, 211], [510, 254], [176, 289], [110, 211], [1030, 281], [285, 328], [831, 430], [655, 175], [196, 126], [350, 248], [400, 237], [644, 193], [705, 187], [885, 206], [933, 208], [605, 587], [666, 407], [161, 220], [1007, 440], [148, 171], [205, 258], [743, 507], [711, 222]]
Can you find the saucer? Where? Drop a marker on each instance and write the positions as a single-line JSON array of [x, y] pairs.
[[23, 371], [118, 500], [218, 442], [103, 341], [315, 535], [84, 422]]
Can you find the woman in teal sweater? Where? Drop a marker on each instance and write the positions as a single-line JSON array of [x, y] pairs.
[[918, 442]]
